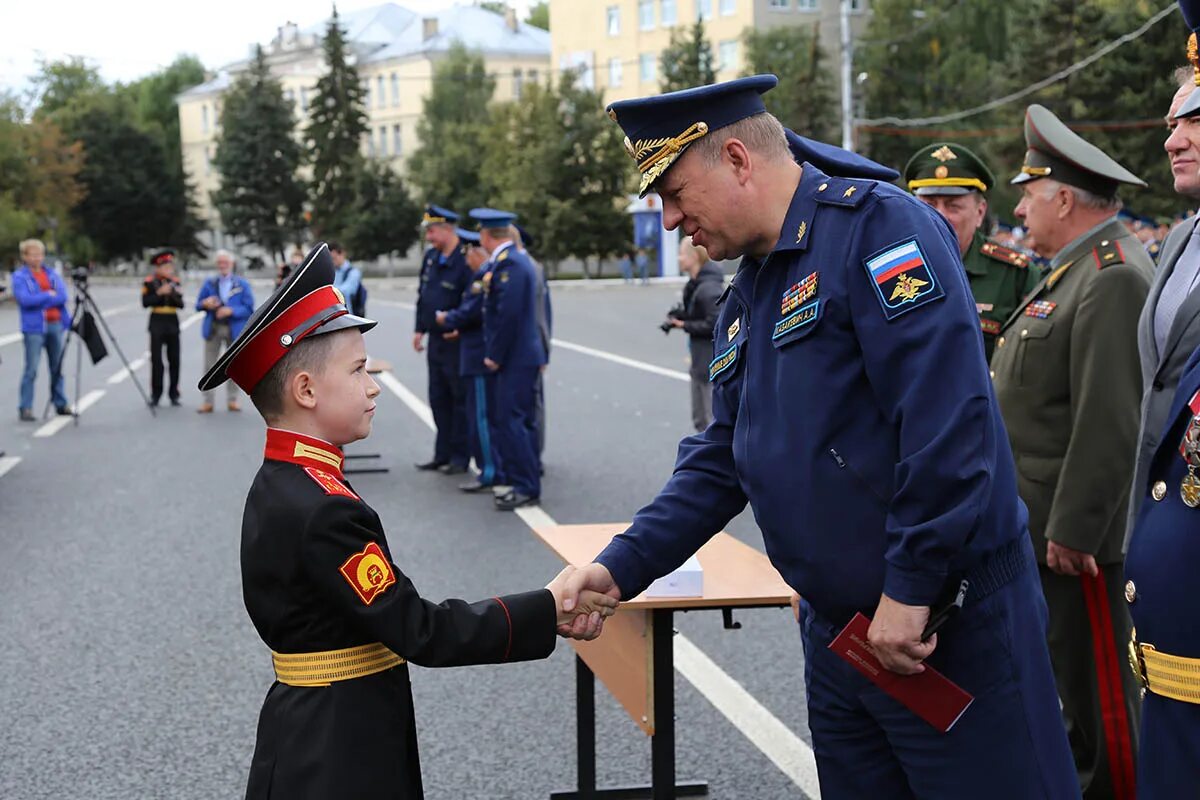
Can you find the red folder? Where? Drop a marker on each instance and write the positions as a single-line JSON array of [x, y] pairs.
[[930, 695]]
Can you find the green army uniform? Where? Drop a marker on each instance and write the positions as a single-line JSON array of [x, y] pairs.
[[999, 276], [1068, 379]]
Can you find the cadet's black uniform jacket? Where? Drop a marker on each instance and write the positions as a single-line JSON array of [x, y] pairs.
[[303, 533], [163, 308]]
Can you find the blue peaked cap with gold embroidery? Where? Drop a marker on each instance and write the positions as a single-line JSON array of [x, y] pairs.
[[492, 217], [1191, 16], [470, 237], [436, 215], [658, 129]]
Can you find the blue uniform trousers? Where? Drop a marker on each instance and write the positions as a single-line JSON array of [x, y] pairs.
[[1010, 742], [1168, 764], [481, 425], [448, 402], [516, 431]]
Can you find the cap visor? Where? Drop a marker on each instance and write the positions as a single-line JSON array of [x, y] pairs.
[[1191, 106], [926, 191], [342, 323]]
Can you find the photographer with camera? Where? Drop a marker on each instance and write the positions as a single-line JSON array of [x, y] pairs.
[[696, 315], [42, 296]]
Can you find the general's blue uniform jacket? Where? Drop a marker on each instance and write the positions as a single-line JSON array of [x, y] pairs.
[[443, 280], [852, 408], [467, 319], [511, 334]]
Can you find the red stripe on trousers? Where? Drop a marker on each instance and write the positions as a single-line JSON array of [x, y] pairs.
[[1111, 689]]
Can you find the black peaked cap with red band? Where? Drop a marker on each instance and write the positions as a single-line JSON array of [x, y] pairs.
[[304, 305]]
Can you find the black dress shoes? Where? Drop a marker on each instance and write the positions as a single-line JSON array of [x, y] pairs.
[[514, 500], [430, 466], [474, 487], [452, 469]]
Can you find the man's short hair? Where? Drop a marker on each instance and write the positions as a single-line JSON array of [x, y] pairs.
[[336, 247], [309, 355], [28, 243], [223, 253], [761, 133], [1089, 200], [1183, 76]]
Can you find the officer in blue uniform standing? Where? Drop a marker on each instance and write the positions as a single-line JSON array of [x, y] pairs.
[[853, 410], [513, 350], [444, 277], [545, 321], [467, 320]]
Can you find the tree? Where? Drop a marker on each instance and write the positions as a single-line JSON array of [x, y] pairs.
[[257, 155], [539, 15], [804, 99], [495, 6], [385, 216], [59, 84], [687, 60], [448, 166], [154, 101], [337, 124]]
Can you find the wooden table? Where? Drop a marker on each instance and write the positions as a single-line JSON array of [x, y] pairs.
[[634, 657]]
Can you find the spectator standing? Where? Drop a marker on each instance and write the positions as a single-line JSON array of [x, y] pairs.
[[42, 296]]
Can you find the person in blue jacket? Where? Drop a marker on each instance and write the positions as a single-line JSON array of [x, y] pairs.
[[480, 382], [42, 296], [444, 277], [854, 412], [513, 349], [227, 302]]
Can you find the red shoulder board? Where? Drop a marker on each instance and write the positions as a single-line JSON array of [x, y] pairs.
[[999, 252], [330, 483], [1108, 253]]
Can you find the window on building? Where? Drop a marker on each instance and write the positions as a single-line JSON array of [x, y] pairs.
[[704, 9], [782, 5], [646, 15], [204, 118], [614, 72], [395, 90], [807, 5], [383, 140], [728, 8], [614, 20], [518, 80], [531, 76], [380, 94], [858, 5], [290, 97], [397, 142], [647, 67], [667, 13], [304, 99], [727, 52], [207, 163], [371, 143], [367, 94]]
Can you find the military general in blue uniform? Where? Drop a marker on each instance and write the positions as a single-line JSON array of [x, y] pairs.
[[853, 411], [513, 349], [444, 277]]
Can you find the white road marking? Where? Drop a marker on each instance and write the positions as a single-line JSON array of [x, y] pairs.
[[192, 320], [622, 360], [787, 751], [10, 338], [58, 423], [123, 373], [7, 463]]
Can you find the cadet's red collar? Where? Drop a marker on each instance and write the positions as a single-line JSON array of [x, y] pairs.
[[296, 448]]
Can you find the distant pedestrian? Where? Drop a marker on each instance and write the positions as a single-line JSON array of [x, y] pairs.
[[228, 301], [42, 296], [625, 264], [699, 307], [161, 294], [643, 266], [348, 280]]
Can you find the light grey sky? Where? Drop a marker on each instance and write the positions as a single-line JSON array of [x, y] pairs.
[[127, 39]]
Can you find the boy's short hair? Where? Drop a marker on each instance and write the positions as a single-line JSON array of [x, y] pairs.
[[309, 355], [335, 247]]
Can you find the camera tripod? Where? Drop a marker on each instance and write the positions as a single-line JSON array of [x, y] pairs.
[[85, 304]]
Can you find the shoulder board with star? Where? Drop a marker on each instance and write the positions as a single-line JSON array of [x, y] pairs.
[[502, 257], [1006, 255], [845, 192], [1107, 253], [329, 483]]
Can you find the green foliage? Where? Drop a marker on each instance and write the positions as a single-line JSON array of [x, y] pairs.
[[495, 6], [448, 166], [60, 84], [804, 100], [337, 123], [154, 102], [257, 155], [558, 162], [539, 15], [385, 216], [687, 60]]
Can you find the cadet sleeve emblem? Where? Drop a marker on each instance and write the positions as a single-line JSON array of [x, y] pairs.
[[329, 483], [368, 573], [902, 278]]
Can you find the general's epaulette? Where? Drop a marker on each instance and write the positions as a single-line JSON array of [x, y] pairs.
[[1107, 254], [845, 192], [502, 256], [1006, 255]]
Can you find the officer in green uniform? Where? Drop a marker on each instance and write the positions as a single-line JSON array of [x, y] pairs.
[[954, 180], [1068, 379]]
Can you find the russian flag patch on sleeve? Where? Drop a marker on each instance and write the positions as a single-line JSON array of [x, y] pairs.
[[902, 278]]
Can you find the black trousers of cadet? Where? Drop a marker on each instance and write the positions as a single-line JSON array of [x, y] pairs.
[[164, 335], [448, 402]]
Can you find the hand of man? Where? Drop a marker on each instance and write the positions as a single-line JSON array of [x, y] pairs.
[[586, 618], [440, 316], [492, 365], [594, 577], [165, 289], [212, 303], [418, 339], [895, 636], [794, 602], [676, 323], [450, 336], [1066, 561], [224, 312]]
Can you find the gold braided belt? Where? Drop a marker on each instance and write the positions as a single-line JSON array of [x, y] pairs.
[[322, 669], [1175, 677]]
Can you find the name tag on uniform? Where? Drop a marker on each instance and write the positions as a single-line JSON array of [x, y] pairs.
[[797, 320]]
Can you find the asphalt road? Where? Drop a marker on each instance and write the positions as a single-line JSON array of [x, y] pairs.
[[128, 667]]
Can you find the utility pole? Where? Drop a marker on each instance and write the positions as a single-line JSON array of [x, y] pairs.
[[847, 86]]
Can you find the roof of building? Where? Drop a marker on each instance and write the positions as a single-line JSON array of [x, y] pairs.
[[388, 31]]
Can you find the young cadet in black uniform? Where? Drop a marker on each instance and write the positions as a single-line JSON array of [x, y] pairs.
[[318, 578], [161, 294]]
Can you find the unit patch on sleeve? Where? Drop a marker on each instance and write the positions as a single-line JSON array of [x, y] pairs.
[[368, 573], [722, 363], [330, 483], [902, 278]]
